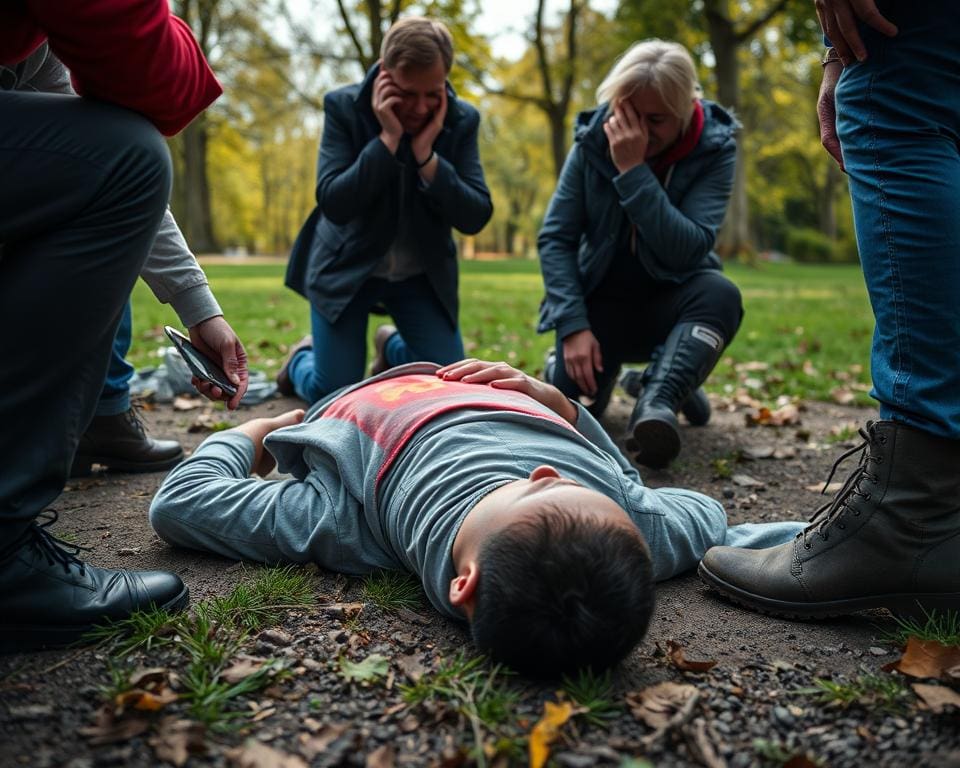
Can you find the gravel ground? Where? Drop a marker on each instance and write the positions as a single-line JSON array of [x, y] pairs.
[[747, 709]]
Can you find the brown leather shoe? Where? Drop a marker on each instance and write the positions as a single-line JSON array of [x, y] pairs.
[[284, 384], [380, 338], [121, 444]]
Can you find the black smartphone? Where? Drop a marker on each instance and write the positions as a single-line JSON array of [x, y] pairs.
[[199, 364]]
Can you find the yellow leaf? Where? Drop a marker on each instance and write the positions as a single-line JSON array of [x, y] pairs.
[[546, 731]]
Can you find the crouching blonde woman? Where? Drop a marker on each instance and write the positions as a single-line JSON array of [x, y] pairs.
[[626, 247]]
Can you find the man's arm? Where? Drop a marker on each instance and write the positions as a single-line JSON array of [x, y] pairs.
[[458, 192], [348, 183], [135, 54], [209, 502]]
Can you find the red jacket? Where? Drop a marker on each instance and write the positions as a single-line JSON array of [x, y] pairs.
[[133, 53]]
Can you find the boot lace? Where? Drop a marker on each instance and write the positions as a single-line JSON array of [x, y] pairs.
[[832, 512], [134, 418], [55, 551]]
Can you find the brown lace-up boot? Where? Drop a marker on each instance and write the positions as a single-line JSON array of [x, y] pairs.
[[890, 538]]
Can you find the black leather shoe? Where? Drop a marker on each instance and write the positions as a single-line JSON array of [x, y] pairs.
[[120, 443], [49, 598], [696, 408]]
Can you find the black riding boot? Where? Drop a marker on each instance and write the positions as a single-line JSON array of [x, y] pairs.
[[689, 354]]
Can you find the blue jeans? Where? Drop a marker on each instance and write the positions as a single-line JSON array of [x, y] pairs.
[[115, 395], [339, 349], [899, 127]]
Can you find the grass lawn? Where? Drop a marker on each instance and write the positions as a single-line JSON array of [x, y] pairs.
[[806, 332]]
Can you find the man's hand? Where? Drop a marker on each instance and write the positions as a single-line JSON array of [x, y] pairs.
[[627, 135], [581, 357], [386, 97], [827, 111], [216, 339], [422, 144], [258, 429], [838, 19], [503, 376]]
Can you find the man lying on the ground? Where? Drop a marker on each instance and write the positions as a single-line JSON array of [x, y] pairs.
[[442, 472]]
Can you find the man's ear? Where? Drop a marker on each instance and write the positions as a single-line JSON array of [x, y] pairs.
[[463, 587]]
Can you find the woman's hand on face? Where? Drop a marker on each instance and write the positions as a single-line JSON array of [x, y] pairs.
[[582, 358], [627, 136]]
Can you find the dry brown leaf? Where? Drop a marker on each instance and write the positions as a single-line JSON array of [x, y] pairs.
[[342, 610], [241, 669], [311, 746], [181, 403], [175, 740], [937, 698], [108, 729], [382, 757], [256, 755], [926, 658], [143, 678], [411, 666], [752, 365], [842, 395], [547, 729], [149, 692], [680, 661], [800, 761], [657, 705]]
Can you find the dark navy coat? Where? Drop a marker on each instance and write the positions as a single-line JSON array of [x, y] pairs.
[[363, 191]]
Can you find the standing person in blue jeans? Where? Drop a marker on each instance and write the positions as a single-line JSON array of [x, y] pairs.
[[116, 437], [890, 116], [626, 247], [399, 168]]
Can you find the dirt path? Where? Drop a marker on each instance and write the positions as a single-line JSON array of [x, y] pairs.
[[747, 707]]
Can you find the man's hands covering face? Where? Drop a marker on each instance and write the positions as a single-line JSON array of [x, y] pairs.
[[422, 143], [386, 98]]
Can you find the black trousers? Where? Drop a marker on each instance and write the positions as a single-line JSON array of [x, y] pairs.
[[630, 328], [83, 187]]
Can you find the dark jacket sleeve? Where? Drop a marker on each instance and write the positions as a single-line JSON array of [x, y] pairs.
[[558, 244], [678, 237], [347, 182], [134, 54], [459, 192]]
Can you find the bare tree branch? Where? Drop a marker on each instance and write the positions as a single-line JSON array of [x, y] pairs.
[[358, 46], [760, 23], [541, 47]]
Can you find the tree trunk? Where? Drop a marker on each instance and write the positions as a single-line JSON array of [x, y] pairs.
[[197, 220]]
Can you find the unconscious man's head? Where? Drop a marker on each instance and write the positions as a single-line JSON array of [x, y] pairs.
[[562, 581]]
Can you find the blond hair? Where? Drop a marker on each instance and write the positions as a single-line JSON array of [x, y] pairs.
[[664, 66], [417, 42]]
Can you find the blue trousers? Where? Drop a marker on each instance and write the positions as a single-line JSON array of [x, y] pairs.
[[83, 189], [899, 128], [115, 395], [339, 349]]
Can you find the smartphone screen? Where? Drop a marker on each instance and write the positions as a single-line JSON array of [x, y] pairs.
[[199, 364]]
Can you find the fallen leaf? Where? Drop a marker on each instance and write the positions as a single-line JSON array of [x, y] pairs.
[[680, 661], [242, 669], [311, 746], [263, 714], [175, 740], [745, 481], [381, 757], [410, 666], [785, 416], [276, 637], [145, 700], [256, 755], [108, 729], [753, 365], [754, 452], [342, 610], [926, 658], [658, 704], [937, 698], [843, 396], [371, 668], [181, 403], [546, 731], [144, 677]]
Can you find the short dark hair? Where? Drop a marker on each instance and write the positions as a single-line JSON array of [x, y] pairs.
[[559, 593]]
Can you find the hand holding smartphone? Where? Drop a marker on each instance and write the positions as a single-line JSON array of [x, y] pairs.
[[199, 364]]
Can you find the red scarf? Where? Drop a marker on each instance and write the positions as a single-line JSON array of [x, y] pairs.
[[682, 147]]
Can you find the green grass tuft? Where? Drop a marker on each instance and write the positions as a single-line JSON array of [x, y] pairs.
[[596, 694], [262, 600], [943, 628], [392, 590], [870, 691], [144, 630]]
